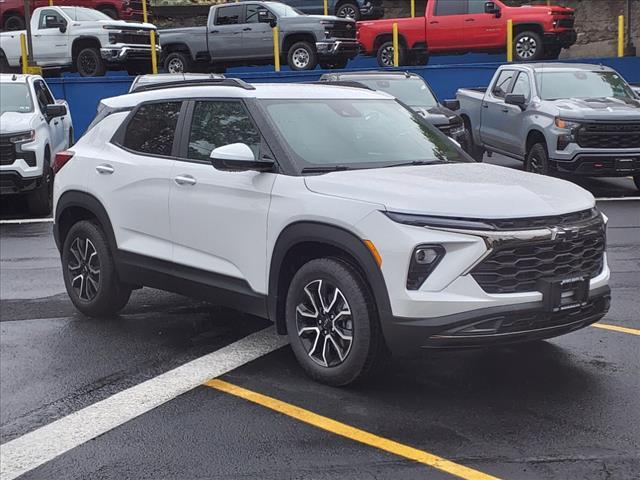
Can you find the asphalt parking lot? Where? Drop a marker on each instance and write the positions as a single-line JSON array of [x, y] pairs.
[[128, 397]]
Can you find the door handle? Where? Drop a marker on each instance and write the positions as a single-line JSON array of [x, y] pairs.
[[470, 20], [248, 29], [56, 122], [105, 169], [433, 22], [214, 31], [185, 180], [505, 110], [484, 105]]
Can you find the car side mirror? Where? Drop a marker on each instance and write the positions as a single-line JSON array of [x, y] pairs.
[[492, 9], [267, 17], [62, 28], [451, 104], [516, 99], [55, 110], [238, 157]]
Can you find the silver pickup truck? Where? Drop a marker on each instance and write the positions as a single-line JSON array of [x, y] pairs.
[[557, 118]]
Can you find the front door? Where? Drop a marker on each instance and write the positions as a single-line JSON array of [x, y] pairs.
[[512, 117], [225, 33], [56, 125], [494, 111], [50, 45], [219, 218], [257, 38], [483, 30]]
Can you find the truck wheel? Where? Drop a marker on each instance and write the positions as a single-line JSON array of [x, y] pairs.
[[385, 55], [469, 145], [552, 52], [90, 273], [177, 62], [537, 160], [110, 12], [302, 56], [14, 22], [332, 323], [89, 63], [333, 65], [348, 10], [40, 201], [527, 46]]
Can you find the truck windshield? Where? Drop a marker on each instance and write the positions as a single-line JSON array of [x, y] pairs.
[[282, 10], [410, 91], [582, 84], [80, 14], [15, 97], [359, 133]]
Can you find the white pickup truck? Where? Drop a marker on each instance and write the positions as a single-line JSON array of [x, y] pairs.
[[34, 127], [82, 40]]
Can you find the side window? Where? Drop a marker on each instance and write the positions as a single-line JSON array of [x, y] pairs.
[[228, 15], [152, 129], [42, 95], [522, 86], [451, 7], [219, 123], [50, 19], [476, 6], [252, 13], [501, 87]]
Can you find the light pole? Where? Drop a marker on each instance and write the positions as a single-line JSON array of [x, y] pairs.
[[629, 48]]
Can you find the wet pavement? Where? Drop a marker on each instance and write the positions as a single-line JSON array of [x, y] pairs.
[[564, 408]]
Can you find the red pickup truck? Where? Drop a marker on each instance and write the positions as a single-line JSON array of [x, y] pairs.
[[462, 26], [12, 11]]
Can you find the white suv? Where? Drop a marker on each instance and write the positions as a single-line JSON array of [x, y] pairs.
[[33, 128], [335, 212]]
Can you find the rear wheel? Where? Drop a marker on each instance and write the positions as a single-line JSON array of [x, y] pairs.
[[537, 160], [385, 55], [527, 46], [332, 323], [14, 22], [89, 272], [302, 56], [89, 63], [348, 10], [177, 62]]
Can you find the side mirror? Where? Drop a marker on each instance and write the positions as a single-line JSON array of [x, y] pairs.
[[451, 104], [492, 9], [266, 17], [238, 157], [62, 28], [516, 99], [55, 110]]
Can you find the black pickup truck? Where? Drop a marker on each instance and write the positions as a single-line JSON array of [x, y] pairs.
[[241, 34]]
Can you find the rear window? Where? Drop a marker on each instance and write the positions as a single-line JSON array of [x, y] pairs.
[[152, 128], [228, 15]]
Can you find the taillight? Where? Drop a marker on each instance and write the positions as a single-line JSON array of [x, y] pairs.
[[61, 160]]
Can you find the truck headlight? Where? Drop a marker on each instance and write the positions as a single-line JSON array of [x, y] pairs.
[[424, 260], [23, 137], [566, 124], [566, 138]]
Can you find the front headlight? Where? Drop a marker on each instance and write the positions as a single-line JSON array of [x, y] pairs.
[[24, 137], [566, 124], [571, 127]]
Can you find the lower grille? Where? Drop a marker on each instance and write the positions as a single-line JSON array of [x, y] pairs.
[[518, 266], [7, 153], [133, 38], [610, 135]]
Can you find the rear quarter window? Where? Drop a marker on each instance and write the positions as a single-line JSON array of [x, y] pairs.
[[151, 129]]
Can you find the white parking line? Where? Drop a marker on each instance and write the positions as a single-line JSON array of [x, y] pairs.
[[26, 220], [44, 444]]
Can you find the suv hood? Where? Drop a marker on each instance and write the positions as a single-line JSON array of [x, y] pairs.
[[598, 109], [473, 190], [14, 122]]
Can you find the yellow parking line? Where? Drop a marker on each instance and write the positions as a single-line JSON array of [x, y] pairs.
[[616, 328], [350, 432]]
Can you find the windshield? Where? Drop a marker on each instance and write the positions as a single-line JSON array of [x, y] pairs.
[[81, 14], [15, 97], [582, 84], [411, 91], [282, 10], [357, 133]]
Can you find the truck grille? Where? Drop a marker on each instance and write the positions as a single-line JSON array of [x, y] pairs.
[[517, 266], [609, 135], [342, 30], [7, 152], [566, 23], [133, 38]]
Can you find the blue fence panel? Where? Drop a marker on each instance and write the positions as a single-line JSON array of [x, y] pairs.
[[445, 77]]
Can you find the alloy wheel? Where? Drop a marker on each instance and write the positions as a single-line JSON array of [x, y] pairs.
[[526, 47], [386, 56], [348, 12], [300, 58], [325, 323], [89, 64], [175, 65], [84, 268]]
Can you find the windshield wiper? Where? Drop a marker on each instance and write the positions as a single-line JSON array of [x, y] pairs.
[[415, 162], [325, 169]]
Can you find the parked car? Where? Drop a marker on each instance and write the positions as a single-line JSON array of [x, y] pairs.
[[145, 82], [34, 126], [241, 34], [330, 211], [413, 91], [450, 27], [557, 118], [82, 40], [12, 11], [354, 9]]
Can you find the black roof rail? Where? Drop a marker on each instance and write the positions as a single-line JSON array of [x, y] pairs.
[[218, 82], [342, 83]]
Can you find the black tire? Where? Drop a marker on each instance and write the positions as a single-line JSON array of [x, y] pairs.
[[138, 68], [636, 180], [110, 12], [469, 145], [552, 52], [385, 55], [40, 201], [95, 295], [177, 62], [71, 139], [89, 63], [362, 355], [537, 160], [335, 64], [302, 56], [13, 22], [348, 10], [527, 46]]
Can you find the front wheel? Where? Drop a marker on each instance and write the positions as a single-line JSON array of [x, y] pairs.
[[537, 160], [332, 322], [385, 55], [527, 46], [89, 272], [302, 56], [89, 63]]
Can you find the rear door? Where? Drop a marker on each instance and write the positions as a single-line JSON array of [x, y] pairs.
[[257, 38], [494, 111], [225, 34]]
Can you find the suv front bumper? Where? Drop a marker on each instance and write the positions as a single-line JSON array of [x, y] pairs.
[[338, 48], [122, 53]]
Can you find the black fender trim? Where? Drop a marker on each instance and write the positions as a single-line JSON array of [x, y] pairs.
[[301, 232]]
